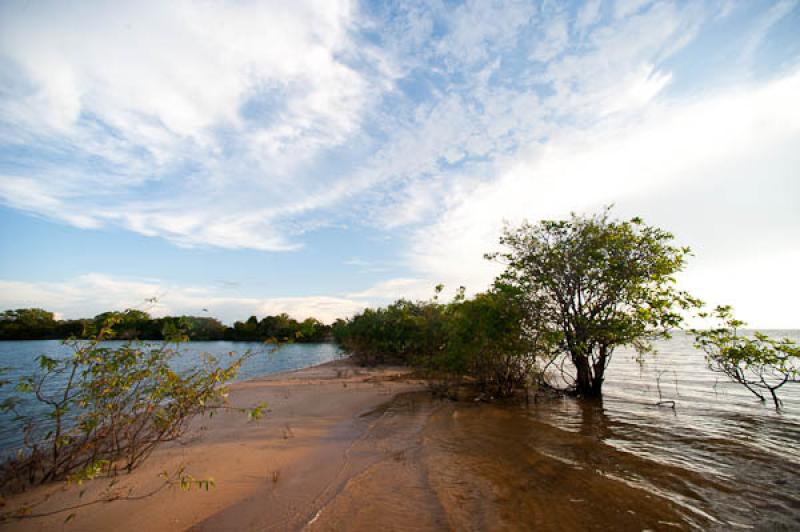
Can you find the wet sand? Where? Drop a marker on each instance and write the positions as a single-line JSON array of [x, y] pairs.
[[345, 448]]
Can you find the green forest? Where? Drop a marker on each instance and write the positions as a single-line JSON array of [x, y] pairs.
[[39, 324]]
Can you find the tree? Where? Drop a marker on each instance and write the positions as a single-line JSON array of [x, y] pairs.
[[128, 324], [247, 330], [405, 332], [759, 363], [310, 329], [28, 316], [596, 284], [27, 323]]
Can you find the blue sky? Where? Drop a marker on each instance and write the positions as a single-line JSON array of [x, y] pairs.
[[315, 157]]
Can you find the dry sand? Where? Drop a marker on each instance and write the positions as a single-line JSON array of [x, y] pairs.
[[274, 473]]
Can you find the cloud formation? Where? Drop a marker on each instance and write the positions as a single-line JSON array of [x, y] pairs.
[[91, 294], [191, 121], [248, 125], [687, 167]]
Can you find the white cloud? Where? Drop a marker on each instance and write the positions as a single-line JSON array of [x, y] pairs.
[[324, 308], [215, 108], [90, 294], [209, 125], [624, 8], [759, 285], [182, 67], [764, 23], [588, 15], [478, 29], [396, 289], [721, 140], [619, 57], [553, 40], [470, 133], [244, 125], [26, 194]]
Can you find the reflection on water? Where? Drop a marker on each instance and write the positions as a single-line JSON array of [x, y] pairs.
[[720, 460]]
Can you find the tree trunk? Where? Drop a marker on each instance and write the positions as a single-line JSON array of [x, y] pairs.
[[584, 383], [590, 377], [599, 372]]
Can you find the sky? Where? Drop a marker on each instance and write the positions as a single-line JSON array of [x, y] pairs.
[[319, 156]]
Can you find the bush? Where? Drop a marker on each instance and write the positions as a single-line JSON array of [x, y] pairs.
[[484, 338], [103, 410], [759, 363], [487, 340], [405, 332]]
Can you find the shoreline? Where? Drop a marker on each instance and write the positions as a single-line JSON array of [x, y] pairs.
[[296, 450], [343, 447]]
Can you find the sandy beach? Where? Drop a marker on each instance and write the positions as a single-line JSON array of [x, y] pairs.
[[349, 448], [274, 473]]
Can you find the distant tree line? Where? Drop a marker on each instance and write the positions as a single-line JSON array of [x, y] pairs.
[[39, 324]]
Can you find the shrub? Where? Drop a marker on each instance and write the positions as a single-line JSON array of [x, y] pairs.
[[405, 332], [103, 410], [759, 363], [485, 338], [487, 341]]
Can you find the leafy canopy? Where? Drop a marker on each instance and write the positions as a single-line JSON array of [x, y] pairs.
[[596, 283]]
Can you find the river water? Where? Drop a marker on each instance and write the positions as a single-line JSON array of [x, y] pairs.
[[725, 457]]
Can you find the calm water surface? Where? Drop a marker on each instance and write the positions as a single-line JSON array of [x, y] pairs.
[[19, 357]]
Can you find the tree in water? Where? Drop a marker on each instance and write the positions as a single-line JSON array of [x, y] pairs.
[[596, 284], [759, 363]]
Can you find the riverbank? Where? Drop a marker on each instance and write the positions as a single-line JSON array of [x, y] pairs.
[[274, 472], [349, 448]]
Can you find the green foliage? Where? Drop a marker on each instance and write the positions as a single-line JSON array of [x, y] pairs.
[[405, 332], [35, 323], [483, 338], [487, 339], [578, 288], [281, 327], [759, 363], [595, 284], [106, 409], [30, 324]]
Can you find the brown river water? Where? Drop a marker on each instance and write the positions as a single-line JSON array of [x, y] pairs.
[[720, 460]]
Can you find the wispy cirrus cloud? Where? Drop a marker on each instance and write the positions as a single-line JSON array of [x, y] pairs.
[[194, 122]]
